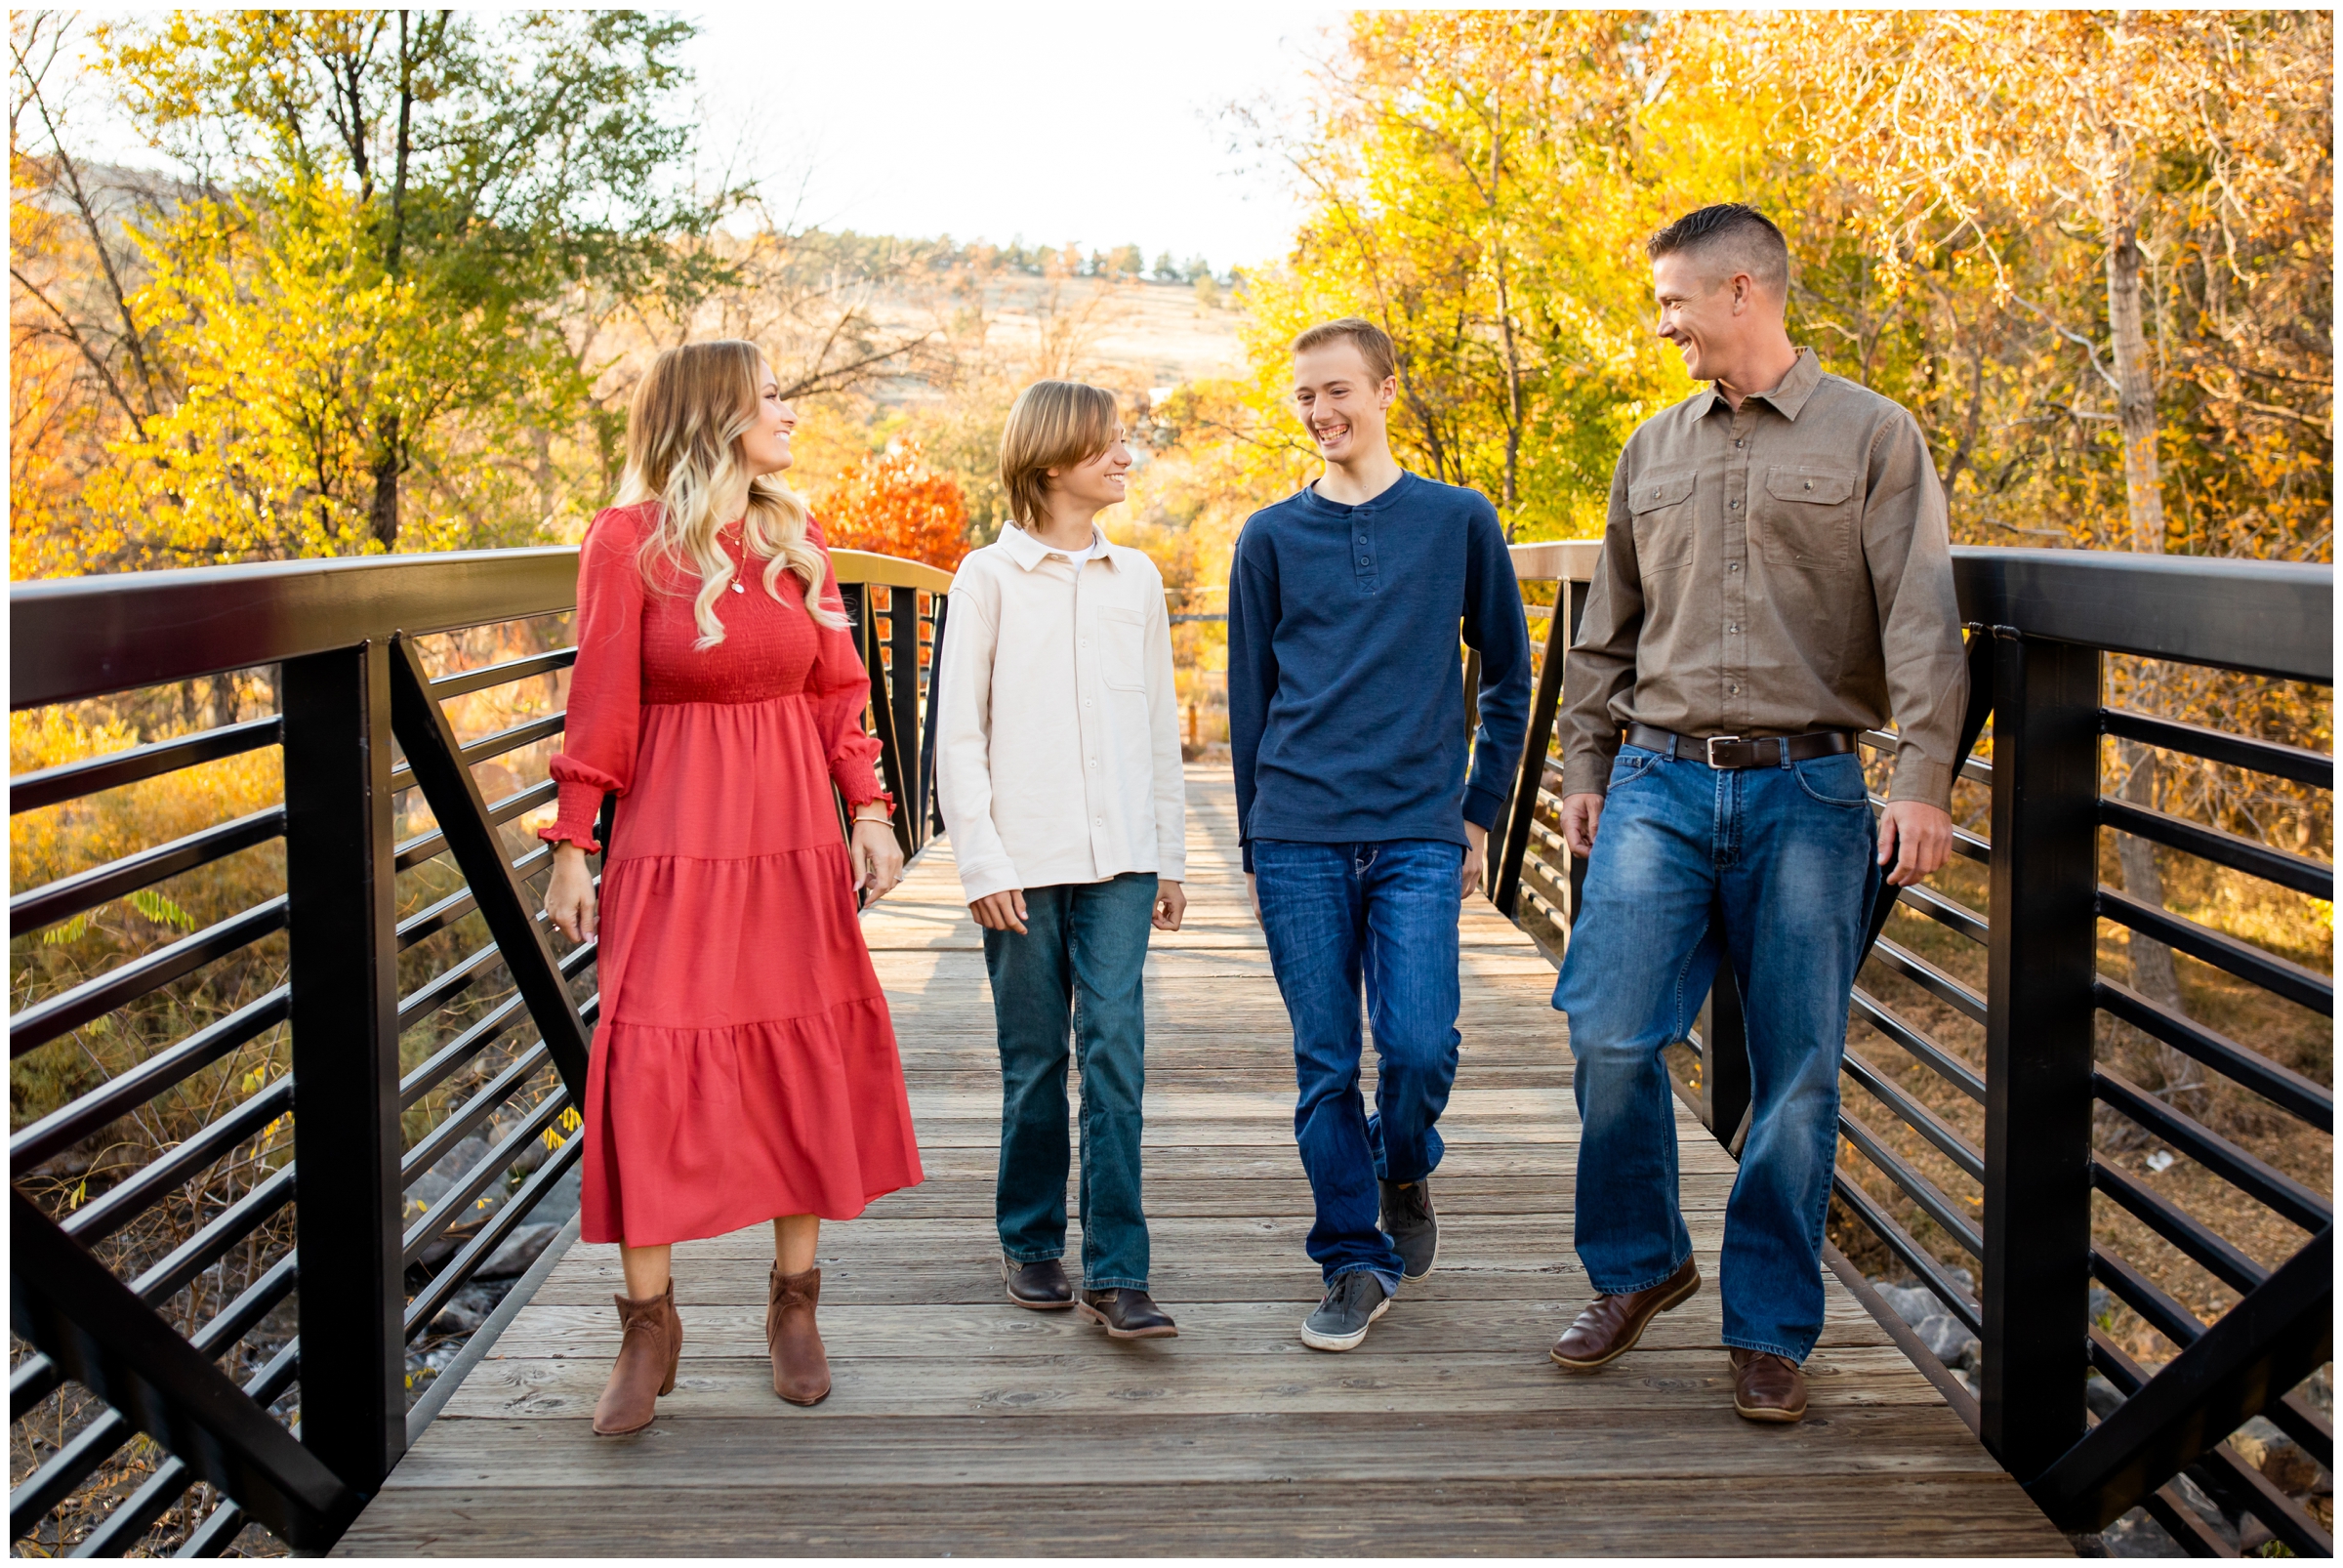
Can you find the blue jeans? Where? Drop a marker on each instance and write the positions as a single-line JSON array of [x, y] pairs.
[[1384, 915], [1076, 970], [1773, 867]]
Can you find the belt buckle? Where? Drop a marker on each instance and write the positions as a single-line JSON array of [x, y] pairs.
[[1715, 741]]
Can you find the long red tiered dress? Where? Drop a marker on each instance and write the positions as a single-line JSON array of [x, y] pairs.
[[744, 1065]]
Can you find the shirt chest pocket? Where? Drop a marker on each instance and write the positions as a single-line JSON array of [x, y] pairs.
[[1660, 508], [1123, 649], [1805, 518]]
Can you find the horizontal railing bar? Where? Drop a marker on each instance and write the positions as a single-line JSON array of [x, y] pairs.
[[2280, 977], [1914, 1115], [473, 1040], [237, 1319], [29, 1382], [1970, 846], [482, 1104], [1974, 769], [445, 986], [69, 896], [2143, 1295], [54, 1482], [2216, 1255], [2257, 1179], [460, 1268], [491, 746], [127, 1524], [2219, 746], [203, 1248], [70, 1123], [134, 1196], [2303, 874], [1913, 1257], [429, 846], [70, 781], [36, 1026], [502, 675], [2283, 1087], [218, 1532], [1947, 1066], [429, 923], [1928, 978], [459, 1199], [1915, 1187], [1945, 912]]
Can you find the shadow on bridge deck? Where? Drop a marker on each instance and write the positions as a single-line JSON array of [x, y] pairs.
[[961, 1424]]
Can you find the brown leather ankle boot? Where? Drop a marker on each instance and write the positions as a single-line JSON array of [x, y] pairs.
[[651, 1338], [801, 1368]]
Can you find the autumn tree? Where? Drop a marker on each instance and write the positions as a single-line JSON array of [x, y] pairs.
[[455, 181], [892, 503]]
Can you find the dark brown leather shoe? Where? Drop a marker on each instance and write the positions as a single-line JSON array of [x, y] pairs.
[[1129, 1314], [1041, 1286], [1767, 1387], [651, 1338], [1609, 1328]]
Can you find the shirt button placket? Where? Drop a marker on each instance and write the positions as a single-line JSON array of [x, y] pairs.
[[1737, 551]]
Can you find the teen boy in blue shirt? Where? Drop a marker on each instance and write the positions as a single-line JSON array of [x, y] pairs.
[[1361, 828]]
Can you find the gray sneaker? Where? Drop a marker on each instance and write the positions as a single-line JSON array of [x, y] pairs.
[[1409, 1220], [1354, 1300]]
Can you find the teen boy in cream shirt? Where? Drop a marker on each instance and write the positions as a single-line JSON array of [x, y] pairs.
[[1058, 775]]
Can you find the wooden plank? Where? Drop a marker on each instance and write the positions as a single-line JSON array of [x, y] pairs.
[[949, 1400], [1858, 1514]]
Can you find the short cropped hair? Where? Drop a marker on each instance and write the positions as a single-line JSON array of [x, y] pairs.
[[1052, 425], [1730, 234], [1372, 343]]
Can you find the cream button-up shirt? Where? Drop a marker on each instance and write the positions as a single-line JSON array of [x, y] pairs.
[[1058, 729]]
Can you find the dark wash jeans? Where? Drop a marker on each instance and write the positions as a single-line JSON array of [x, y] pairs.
[[1382, 915], [1075, 970], [1773, 867]]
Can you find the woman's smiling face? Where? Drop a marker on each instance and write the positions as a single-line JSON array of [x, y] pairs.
[[765, 445]]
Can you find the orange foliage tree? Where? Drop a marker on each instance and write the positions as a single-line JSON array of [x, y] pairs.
[[894, 504]]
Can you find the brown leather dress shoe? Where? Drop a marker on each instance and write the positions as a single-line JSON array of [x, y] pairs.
[[650, 1339], [1609, 1328], [800, 1366], [1767, 1387], [1128, 1314], [1041, 1286]]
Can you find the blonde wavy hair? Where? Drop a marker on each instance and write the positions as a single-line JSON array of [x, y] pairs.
[[684, 432]]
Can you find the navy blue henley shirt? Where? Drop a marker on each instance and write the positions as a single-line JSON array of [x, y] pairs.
[[1345, 692]]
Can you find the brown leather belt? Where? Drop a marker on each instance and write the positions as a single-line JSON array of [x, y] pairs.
[[1733, 752]]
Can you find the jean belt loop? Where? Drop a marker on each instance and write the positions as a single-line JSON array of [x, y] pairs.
[[1781, 750]]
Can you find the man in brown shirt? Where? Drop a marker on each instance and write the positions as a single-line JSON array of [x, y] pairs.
[[1776, 576]]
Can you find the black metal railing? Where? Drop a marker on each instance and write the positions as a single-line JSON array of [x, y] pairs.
[[2042, 626], [238, 1350]]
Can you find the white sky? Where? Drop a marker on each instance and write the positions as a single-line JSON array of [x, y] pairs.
[[1100, 125], [1096, 124]]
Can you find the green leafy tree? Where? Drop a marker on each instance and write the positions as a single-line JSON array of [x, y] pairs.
[[463, 181]]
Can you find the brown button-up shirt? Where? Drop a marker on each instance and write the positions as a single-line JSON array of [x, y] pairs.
[[1772, 570]]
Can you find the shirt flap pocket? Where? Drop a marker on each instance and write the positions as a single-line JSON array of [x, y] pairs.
[[1662, 490], [1817, 486], [1123, 661]]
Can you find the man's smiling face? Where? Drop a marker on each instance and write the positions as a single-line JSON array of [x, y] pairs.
[[1340, 403]]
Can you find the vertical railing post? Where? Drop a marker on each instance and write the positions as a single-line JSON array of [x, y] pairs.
[[939, 606], [342, 914], [2041, 968], [903, 689], [1570, 604], [1725, 1059]]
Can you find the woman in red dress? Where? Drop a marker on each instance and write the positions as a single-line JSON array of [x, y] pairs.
[[744, 1068]]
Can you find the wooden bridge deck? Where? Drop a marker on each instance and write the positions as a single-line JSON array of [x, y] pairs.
[[961, 1424]]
